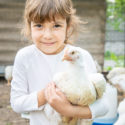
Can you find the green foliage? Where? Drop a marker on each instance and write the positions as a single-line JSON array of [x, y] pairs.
[[119, 60], [107, 54], [108, 68], [111, 56], [116, 13]]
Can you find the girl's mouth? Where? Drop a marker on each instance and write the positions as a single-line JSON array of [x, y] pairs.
[[48, 44]]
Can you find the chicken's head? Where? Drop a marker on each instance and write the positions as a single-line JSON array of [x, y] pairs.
[[72, 54]]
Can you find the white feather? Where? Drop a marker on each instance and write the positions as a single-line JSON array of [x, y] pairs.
[[98, 67], [8, 72], [115, 72], [120, 80]]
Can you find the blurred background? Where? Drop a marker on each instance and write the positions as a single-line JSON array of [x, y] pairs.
[[103, 36]]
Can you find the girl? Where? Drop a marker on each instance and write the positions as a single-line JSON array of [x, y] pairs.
[[49, 24]]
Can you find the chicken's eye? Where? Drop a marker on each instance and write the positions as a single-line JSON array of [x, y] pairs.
[[73, 52]]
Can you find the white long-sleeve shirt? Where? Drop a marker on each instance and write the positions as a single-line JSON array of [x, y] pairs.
[[32, 71]]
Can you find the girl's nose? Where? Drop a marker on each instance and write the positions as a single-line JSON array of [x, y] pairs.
[[47, 34]]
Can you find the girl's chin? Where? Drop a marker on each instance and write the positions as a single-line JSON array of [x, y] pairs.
[[49, 51]]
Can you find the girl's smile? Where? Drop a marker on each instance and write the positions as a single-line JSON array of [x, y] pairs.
[[48, 43]]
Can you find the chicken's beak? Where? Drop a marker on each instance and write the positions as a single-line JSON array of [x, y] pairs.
[[66, 56]]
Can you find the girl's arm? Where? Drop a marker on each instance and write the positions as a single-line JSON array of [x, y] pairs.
[[80, 112], [20, 98], [41, 98]]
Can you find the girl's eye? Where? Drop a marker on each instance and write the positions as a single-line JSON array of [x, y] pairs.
[[38, 25], [57, 25]]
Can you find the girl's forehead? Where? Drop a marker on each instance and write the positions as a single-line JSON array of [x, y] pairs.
[[56, 19]]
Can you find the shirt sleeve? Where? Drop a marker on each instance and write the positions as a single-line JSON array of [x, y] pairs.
[[21, 100], [99, 107]]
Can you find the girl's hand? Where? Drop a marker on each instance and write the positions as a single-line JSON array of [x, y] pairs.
[[57, 100], [60, 103]]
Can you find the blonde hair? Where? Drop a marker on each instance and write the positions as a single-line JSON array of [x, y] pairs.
[[41, 10]]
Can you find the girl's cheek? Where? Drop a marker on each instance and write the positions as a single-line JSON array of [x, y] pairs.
[[37, 34]]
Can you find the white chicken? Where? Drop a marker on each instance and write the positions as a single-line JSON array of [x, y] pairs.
[[115, 72], [119, 80], [98, 66], [117, 77], [121, 111], [8, 73], [79, 87]]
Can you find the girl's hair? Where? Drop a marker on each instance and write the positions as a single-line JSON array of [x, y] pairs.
[[42, 10]]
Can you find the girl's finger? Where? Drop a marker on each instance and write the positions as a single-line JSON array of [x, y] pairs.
[[54, 84], [46, 95], [49, 91], [53, 88], [61, 94]]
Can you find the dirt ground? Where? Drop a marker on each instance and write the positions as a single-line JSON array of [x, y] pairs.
[[7, 115]]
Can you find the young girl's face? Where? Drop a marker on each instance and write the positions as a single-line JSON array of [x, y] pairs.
[[49, 36]]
